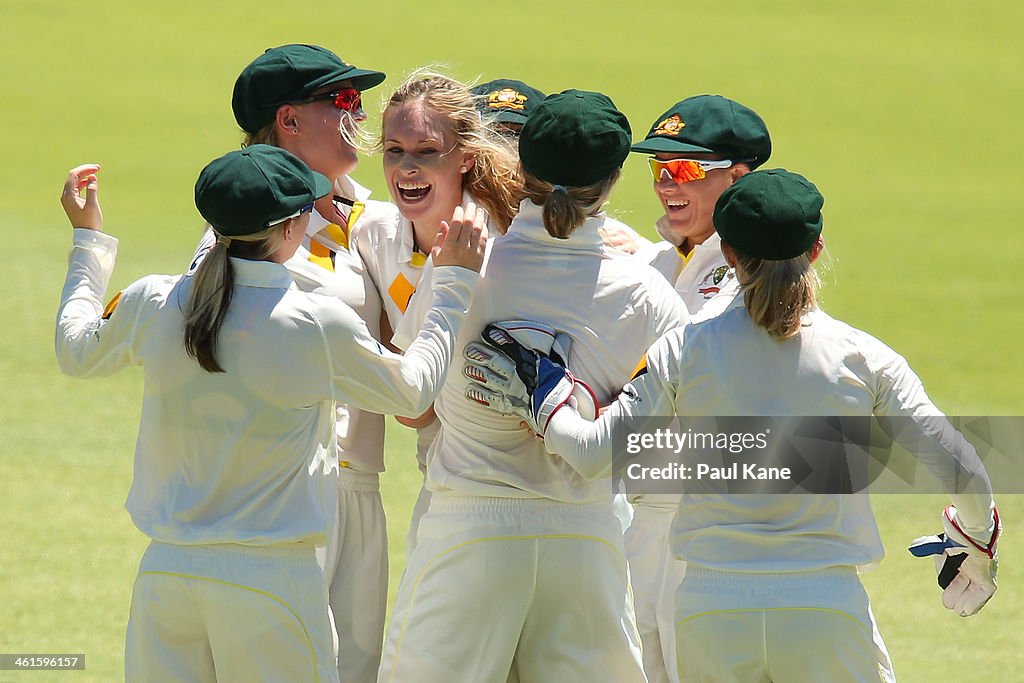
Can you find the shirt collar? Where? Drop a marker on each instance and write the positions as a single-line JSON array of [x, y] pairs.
[[408, 237], [266, 274], [344, 186], [529, 224], [662, 226], [347, 187], [712, 245], [713, 242]]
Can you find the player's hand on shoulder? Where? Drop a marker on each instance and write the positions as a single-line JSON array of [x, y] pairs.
[[80, 197], [966, 566], [461, 241]]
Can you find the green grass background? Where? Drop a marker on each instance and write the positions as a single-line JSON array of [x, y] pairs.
[[906, 113]]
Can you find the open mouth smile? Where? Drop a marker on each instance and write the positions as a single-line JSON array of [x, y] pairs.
[[412, 192]]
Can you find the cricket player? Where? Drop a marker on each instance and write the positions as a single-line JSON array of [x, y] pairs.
[[699, 148], [437, 156], [519, 567], [307, 100], [236, 463], [771, 590]]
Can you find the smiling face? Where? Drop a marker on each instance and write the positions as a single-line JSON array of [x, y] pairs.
[[422, 162], [320, 133], [689, 206]]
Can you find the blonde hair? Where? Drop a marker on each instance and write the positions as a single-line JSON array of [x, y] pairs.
[[267, 135], [493, 180], [566, 208], [213, 285], [778, 293]]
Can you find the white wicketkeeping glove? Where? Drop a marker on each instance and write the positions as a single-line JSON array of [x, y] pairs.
[[966, 567], [518, 369]]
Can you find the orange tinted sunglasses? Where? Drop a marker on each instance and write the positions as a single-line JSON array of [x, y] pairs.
[[684, 170]]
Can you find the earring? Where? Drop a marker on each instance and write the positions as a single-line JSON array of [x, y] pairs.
[[463, 169]]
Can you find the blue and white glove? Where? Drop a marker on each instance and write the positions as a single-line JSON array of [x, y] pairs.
[[966, 567], [518, 369]]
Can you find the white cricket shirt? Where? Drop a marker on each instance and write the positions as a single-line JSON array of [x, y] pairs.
[[729, 366], [325, 264], [385, 242], [384, 239], [610, 305], [248, 455], [703, 278]]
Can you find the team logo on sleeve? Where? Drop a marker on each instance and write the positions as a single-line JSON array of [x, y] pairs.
[[670, 126], [507, 98]]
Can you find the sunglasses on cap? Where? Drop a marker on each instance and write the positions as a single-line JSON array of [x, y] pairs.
[[306, 209], [684, 170]]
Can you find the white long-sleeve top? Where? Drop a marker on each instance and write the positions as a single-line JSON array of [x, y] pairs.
[[386, 244], [248, 455], [336, 270], [729, 366], [610, 305]]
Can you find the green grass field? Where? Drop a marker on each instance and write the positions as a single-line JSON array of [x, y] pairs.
[[905, 114]]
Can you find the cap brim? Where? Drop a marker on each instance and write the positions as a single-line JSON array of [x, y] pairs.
[[361, 79], [323, 186], [510, 117], [662, 144]]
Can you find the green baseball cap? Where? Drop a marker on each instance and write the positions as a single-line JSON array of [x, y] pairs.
[[507, 100], [249, 189], [290, 73], [771, 214], [574, 138], [711, 124]]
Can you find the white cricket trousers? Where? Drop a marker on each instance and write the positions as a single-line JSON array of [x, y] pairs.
[[229, 613], [761, 627], [534, 589], [655, 576], [355, 564]]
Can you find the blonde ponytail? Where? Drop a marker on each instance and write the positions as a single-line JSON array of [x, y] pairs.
[[566, 208]]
